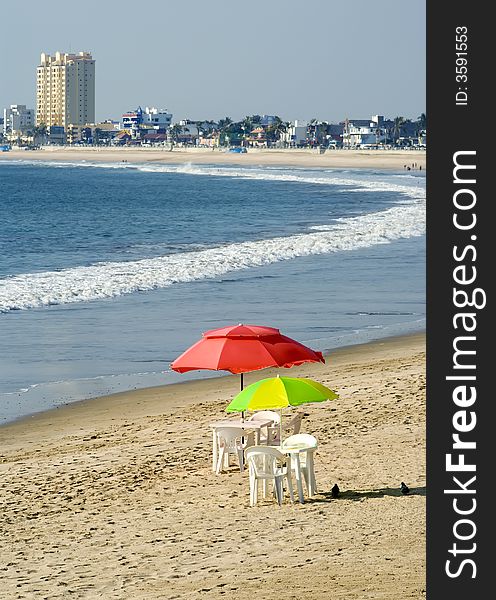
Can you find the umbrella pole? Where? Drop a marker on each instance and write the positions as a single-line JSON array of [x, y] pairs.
[[241, 388], [280, 427]]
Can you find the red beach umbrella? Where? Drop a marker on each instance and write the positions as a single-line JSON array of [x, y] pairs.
[[242, 348]]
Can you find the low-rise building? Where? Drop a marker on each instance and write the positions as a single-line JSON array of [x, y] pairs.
[[154, 139], [359, 133], [267, 120], [56, 135], [158, 119], [92, 133], [296, 134], [18, 120], [149, 119], [257, 138], [73, 134], [131, 120], [209, 139], [188, 132], [122, 138]]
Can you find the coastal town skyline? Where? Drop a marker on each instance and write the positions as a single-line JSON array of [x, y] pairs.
[[289, 72], [65, 113]]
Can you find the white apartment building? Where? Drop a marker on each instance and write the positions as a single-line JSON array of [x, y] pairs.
[[150, 117], [363, 132], [17, 119], [296, 133], [65, 89], [158, 119]]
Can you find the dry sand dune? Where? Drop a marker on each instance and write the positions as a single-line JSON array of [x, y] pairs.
[[115, 497]]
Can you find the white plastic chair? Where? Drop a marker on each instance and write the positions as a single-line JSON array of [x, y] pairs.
[[290, 428], [272, 437], [232, 441], [268, 465], [294, 426], [265, 414], [309, 442], [267, 433]]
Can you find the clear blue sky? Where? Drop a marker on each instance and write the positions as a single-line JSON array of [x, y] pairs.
[[327, 59]]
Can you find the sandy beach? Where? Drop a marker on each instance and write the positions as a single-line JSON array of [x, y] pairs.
[[115, 497], [379, 159]]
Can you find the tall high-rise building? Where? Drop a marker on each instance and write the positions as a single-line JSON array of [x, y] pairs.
[[65, 89]]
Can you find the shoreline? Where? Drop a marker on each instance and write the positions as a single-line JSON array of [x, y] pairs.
[[304, 158], [222, 380], [118, 499], [189, 378]]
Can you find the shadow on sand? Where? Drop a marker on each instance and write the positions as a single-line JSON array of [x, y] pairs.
[[358, 495]]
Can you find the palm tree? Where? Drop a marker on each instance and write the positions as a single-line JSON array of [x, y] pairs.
[[277, 128], [420, 125], [322, 129], [98, 136], [39, 132], [270, 134], [281, 126], [175, 130], [312, 129], [397, 127], [224, 125], [378, 133], [246, 126], [247, 123]]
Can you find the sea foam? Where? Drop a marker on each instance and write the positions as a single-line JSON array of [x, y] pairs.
[[110, 279]]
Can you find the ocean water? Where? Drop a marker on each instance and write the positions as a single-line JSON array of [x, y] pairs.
[[109, 271]]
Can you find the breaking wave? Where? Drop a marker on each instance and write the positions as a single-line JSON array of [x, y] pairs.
[[356, 182], [112, 279]]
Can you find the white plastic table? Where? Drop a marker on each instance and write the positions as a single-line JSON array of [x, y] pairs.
[[294, 452], [255, 425]]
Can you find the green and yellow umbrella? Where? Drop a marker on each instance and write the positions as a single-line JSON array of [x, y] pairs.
[[280, 392]]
